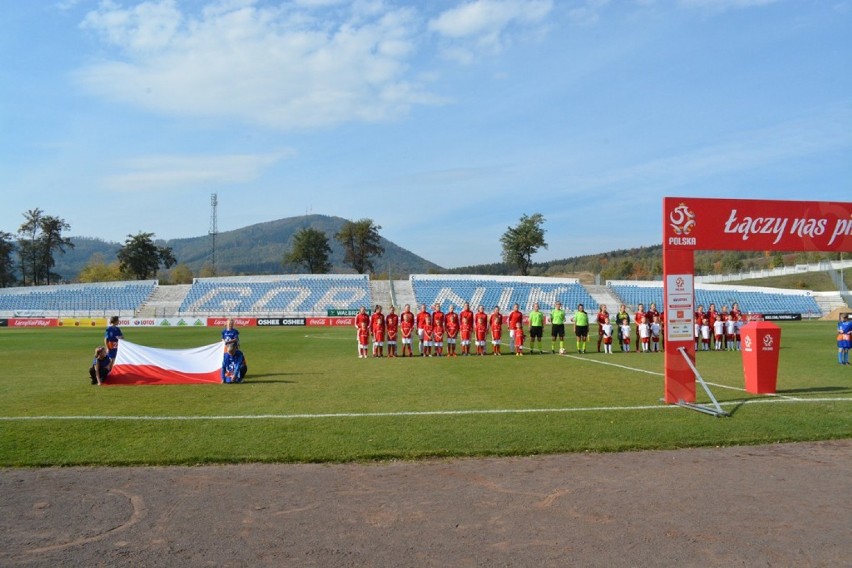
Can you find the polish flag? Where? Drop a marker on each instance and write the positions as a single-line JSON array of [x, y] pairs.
[[140, 365]]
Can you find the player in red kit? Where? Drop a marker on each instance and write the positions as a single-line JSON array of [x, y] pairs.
[[515, 316], [427, 338], [638, 317], [480, 326], [465, 328], [422, 317], [392, 330], [438, 337], [362, 317], [451, 321], [496, 323], [406, 327], [601, 318], [363, 340], [377, 326]]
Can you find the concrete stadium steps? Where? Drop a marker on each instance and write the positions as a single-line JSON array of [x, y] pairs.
[[404, 294], [164, 302], [604, 295], [380, 293]]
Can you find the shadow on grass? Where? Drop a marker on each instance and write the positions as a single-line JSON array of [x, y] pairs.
[[816, 390], [272, 377]]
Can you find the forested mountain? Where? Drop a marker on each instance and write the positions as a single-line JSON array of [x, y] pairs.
[[256, 249]]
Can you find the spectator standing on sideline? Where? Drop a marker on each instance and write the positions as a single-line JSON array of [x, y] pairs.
[[557, 328], [581, 328], [536, 328]]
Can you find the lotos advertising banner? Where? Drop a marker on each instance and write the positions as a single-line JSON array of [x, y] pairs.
[[754, 224]]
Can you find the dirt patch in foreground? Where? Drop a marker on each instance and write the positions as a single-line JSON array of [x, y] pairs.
[[781, 505]]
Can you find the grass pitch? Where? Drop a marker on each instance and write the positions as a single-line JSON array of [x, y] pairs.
[[308, 398]]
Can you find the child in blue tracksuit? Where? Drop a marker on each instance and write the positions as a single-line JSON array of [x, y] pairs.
[[234, 366]]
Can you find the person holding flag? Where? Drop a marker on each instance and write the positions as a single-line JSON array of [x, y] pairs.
[[234, 367]]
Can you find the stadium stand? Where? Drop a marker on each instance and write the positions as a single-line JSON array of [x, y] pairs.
[[503, 291], [101, 299], [752, 300], [291, 294]]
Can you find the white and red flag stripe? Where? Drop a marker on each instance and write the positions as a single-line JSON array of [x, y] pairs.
[[140, 365]]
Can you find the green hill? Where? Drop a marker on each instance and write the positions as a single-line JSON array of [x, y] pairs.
[[256, 249]]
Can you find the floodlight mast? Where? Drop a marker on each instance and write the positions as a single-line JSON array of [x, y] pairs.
[[214, 229]]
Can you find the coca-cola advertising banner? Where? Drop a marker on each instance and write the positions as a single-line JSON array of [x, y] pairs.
[[754, 224]]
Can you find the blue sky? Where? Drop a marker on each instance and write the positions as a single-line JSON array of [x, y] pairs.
[[443, 121]]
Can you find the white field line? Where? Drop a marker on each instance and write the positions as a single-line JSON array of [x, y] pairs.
[[420, 413], [655, 373]]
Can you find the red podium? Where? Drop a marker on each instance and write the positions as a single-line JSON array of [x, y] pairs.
[[761, 344]]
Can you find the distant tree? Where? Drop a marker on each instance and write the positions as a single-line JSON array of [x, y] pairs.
[[7, 263], [52, 241], [28, 247], [207, 271], [97, 270], [310, 248], [141, 258], [361, 242], [181, 274], [523, 241], [40, 237]]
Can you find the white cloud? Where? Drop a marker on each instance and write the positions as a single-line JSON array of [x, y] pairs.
[[483, 25], [281, 67], [721, 5], [153, 173]]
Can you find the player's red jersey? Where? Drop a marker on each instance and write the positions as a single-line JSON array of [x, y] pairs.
[[515, 316], [423, 318], [377, 324], [638, 317], [601, 319], [452, 322], [650, 315], [519, 337], [438, 317], [363, 336], [438, 332], [362, 318], [496, 322], [480, 323], [406, 323], [392, 326], [392, 322], [427, 331]]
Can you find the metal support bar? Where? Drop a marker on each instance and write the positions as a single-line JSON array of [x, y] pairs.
[[717, 409]]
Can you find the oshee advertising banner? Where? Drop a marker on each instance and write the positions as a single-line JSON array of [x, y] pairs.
[[755, 224], [286, 322]]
